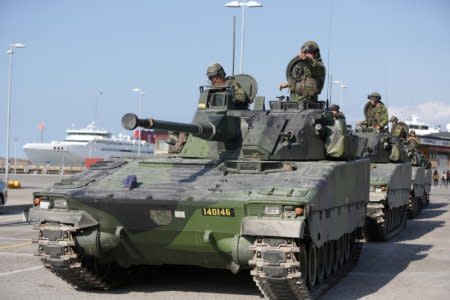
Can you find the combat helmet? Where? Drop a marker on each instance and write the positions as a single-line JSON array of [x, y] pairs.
[[375, 96], [393, 119], [334, 107], [215, 70], [311, 47]]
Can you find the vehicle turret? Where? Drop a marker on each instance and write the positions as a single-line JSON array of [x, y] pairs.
[[390, 174]]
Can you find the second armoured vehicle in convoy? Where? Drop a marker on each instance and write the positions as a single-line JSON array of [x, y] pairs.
[[390, 183], [417, 196], [420, 183], [428, 182], [251, 190]]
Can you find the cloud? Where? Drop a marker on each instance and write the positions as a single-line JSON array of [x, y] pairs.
[[432, 112]]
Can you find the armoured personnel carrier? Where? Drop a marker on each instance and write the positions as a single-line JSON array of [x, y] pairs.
[[390, 183], [428, 182], [420, 183], [417, 193], [250, 190]]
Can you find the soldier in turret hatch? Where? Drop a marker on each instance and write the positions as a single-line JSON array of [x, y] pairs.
[[375, 112], [305, 74], [216, 74], [412, 141], [335, 139], [398, 129], [335, 110]]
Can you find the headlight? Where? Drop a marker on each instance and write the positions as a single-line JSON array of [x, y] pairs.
[[60, 203], [272, 210]]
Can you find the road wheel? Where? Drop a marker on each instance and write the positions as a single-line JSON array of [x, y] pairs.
[[328, 259], [347, 247], [322, 261], [313, 265], [336, 253]]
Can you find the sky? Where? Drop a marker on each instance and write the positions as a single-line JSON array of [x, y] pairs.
[[82, 58]]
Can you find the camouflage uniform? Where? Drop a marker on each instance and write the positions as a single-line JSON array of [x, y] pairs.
[[400, 130], [335, 144], [338, 115], [306, 76], [238, 91], [412, 143], [239, 94], [376, 115]]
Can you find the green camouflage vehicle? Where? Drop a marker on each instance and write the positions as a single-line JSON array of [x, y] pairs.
[[251, 190], [417, 196], [428, 182], [420, 183], [390, 183]]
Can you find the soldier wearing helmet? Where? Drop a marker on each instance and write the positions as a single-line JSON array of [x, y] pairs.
[[375, 112], [305, 74], [398, 129], [335, 110], [335, 144], [412, 142], [217, 76]]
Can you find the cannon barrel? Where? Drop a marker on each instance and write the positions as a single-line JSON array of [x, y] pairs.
[[204, 130]]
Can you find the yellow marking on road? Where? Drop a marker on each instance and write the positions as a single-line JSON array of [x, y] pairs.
[[17, 245]]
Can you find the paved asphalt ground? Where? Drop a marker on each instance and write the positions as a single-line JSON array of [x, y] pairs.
[[414, 265]]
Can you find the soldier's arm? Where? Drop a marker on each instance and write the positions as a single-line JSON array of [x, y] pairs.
[[239, 93], [384, 120], [318, 70]]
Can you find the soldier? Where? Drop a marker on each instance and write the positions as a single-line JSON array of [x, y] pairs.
[[306, 74], [216, 74], [398, 129], [334, 108], [412, 141], [375, 112], [335, 144], [340, 125]]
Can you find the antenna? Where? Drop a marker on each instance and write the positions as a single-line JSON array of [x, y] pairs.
[[234, 43], [330, 34], [330, 86]]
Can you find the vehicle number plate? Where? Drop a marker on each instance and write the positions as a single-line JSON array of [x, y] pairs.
[[218, 212], [44, 204]]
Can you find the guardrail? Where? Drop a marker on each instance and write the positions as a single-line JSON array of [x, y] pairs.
[[42, 170]]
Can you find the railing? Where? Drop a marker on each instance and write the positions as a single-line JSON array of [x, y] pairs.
[[41, 170]]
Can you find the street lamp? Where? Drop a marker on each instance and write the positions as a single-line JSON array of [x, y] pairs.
[[341, 87], [10, 52], [236, 4], [141, 96]]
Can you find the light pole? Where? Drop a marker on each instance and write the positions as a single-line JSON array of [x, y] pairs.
[[341, 87], [236, 4], [141, 97], [15, 155], [10, 52]]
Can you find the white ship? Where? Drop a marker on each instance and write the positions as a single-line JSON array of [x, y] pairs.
[[81, 144], [419, 127]]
